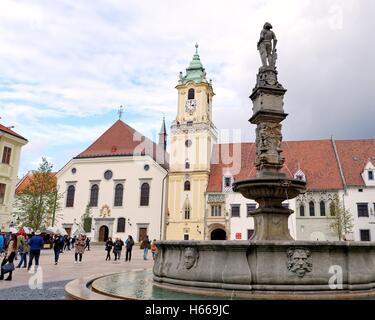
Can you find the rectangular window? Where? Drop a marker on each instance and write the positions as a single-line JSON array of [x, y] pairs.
[[186, 237], [187, 213], [216, 211], [250, 207], [250, 233], [2, 193], [362, 209], [235, 209], [365, 235], [6, 155], [371, 175]]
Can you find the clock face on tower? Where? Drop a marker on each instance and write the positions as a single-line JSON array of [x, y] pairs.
[[190, 105]]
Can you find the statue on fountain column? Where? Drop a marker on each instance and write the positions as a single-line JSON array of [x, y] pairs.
[[267, 46]]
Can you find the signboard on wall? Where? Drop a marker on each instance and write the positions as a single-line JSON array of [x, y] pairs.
[[238, 235]]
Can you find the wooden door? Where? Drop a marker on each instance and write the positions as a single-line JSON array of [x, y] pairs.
[[103, 233], [142, 234]]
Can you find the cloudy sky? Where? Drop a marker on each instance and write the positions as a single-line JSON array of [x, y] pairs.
[[66, 67]]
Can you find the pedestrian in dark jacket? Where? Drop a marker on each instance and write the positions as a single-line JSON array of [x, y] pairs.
[[108, 248], [117, 248], [129, 247], [146, 245], [87, 245], [57, 246], [36, 244]]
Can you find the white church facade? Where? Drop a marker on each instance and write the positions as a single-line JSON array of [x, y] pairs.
[[121, 181]]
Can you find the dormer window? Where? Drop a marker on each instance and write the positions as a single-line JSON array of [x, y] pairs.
[[370, 175], [227, 182], [299, 175], [191, 94]]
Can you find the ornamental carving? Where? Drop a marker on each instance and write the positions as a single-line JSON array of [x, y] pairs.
[[299, 261], [191, 257], [216, 198], [268, 142], [105, 211]]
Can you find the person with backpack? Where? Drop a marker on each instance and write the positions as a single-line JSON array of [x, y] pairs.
[[146, 245], [108, 248], [129, 243], [10, 253]]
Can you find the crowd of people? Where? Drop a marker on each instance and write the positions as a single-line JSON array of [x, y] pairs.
[[28, 248]]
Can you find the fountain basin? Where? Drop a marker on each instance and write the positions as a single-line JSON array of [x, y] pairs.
[[272, 188], [261, 268]]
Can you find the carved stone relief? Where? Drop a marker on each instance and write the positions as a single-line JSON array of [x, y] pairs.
[[299, 261]]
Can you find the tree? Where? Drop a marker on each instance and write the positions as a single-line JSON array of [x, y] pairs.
[[87, 219], [342, 222], [39, 200]]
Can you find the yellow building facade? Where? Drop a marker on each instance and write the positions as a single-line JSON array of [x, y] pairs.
[[10, 152], [192, 137]]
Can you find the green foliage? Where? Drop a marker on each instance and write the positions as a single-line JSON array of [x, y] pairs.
[[342, 220], [87, 219], [37, 202]]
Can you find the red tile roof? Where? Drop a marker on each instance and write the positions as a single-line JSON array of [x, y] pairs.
[[24, 182], [122, 140], [354, 155], [316, 158], [11, 132]]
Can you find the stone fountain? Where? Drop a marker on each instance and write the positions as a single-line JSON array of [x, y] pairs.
[[271, 264]]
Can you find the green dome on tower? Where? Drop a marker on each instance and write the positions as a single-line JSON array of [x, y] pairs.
[[195, 72]]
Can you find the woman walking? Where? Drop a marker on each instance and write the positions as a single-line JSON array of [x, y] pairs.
[[108, 248], [10, 253], [129, 247], [80, 248], [25, 249]]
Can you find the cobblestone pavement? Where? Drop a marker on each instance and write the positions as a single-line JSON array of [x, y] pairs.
[[48, 283]]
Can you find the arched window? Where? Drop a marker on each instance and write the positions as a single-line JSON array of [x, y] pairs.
[[94, 195], [322, 208], [191, 94], [121, 224], [119, 192], [145, 194], [311, 208], [302, 210], [187, 213], [187, 164], [70, 196], [187, 186]]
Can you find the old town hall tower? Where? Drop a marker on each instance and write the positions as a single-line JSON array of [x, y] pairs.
[[192, 137]]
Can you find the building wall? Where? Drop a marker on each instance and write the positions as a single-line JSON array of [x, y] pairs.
[[8, 175], [354, 196], [177, 225], [131, 171]]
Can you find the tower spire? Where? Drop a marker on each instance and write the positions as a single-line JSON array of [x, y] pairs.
[[163, 135]]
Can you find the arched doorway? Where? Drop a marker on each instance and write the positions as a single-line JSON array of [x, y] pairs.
[[218, 234], [103, 233]]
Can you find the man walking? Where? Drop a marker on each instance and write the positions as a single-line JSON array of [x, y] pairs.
[[36, 244], [146, 245]]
